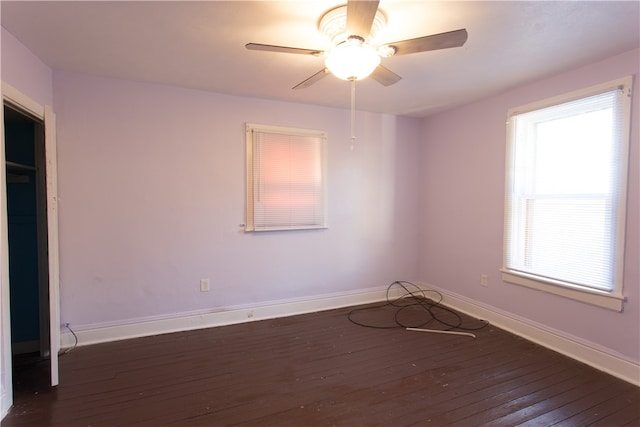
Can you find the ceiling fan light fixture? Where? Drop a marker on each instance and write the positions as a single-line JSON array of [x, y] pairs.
[[352, 60]]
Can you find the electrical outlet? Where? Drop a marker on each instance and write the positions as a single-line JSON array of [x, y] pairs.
[[484, 280], [204, 285]]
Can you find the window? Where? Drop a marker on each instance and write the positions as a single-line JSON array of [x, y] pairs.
[[566, 194], [286, 178]]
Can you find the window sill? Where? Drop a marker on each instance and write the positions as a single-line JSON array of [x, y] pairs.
[[287, 228], [600, 299]]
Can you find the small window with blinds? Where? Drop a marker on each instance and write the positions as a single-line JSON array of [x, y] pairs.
[[286, 178], [566, 194]]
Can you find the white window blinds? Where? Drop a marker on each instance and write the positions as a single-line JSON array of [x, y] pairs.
[[285, 178], [566, 190]]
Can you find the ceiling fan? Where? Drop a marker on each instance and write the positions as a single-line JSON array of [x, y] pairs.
[[356, 53]]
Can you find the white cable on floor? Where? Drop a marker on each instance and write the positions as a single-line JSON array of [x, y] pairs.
[[436, 331]]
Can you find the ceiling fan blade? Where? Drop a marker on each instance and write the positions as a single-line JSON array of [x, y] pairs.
[[283, 49], [385, 76], [360, 15], [311, 80], [433, 42]]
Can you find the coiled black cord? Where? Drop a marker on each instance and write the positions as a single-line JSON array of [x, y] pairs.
[[412, 299]]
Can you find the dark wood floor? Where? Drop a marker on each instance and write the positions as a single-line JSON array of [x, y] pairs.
[[322, 370]]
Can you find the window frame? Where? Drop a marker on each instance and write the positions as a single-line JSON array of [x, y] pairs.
[[614, 299], [250, 130]]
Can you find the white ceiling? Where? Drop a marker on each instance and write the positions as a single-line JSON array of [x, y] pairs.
[[200, 45]]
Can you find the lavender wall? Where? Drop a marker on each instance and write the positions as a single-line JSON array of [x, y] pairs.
[[462, 192], [151, 182], [25, 71], [151, 185]]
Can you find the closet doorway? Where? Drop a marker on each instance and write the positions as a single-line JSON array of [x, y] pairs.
[[28, 254]]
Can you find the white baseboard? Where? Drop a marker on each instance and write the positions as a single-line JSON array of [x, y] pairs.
[[591, 354], [135, 328], [588, 353]]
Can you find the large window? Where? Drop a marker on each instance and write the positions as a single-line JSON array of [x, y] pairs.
[[566, 194], [286, 178]]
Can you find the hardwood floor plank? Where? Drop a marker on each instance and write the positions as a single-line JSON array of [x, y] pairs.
[[622, 401], [543, 401], [320, 369], [573, 405]]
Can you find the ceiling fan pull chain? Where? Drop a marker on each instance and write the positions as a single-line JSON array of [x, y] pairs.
[[353, 113]]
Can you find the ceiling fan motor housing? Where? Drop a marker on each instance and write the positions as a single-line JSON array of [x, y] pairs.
[[333, 24]]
